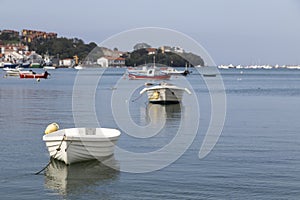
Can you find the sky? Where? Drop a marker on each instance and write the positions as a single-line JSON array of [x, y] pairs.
[[232, 31]]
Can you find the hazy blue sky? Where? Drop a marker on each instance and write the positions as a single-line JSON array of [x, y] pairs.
[[232, 31]]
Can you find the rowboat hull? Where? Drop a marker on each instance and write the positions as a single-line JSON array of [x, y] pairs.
[[165, 93], [165, 96], [81, 144]]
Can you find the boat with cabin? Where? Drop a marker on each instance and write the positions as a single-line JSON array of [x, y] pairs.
[[142, 69], [173, 71], [152, 73]]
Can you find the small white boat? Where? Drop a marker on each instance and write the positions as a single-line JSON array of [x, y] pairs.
[[143, 69], [173, 71], [165, 93], [152, 74], [79, 67], [49, 67], [80, 144], [14, 71]]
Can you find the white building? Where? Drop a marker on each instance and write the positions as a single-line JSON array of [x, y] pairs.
[[178, 50], [13, 52], [68, 62], [108, 61], [35, 58]]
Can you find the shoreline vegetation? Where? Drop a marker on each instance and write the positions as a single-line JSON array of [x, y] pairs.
[[69, 52], [39, 48]]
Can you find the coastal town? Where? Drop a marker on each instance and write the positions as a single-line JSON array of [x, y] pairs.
[[30, 48], [17, 50], [149, 100]]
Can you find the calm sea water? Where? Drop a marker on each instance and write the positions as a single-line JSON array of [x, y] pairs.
[[256, 157]]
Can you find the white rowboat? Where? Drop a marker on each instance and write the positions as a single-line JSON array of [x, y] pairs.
[[80, 144]]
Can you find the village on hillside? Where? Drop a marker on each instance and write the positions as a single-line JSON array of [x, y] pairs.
[[33, 48]]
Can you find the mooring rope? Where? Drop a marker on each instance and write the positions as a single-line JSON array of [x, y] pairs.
[[51, 158], [68, 145], [137, 98]]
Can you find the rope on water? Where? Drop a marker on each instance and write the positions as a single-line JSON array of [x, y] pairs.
[[137, 98], [51, 158]]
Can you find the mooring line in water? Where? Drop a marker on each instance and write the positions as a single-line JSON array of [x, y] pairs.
[[137, 98], [51, 158]]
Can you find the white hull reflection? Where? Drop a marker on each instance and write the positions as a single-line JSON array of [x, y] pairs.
[[66, 179]]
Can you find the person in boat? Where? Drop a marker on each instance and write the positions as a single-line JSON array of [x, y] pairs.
[[32, 72], [46, 73]]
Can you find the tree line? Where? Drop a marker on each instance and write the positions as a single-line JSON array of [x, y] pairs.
[[67, 48], [173, 59], [62, 47]]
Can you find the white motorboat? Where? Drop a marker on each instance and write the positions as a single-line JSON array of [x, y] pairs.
[[142, 70], [49, 67], [80, 144], [173, 71], [15, 71], [12, 72], [79, 67], [152, 74], [165, 93], [12, 69]]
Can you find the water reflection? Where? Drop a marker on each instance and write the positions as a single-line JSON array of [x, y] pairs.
[[76, 178], [163, 113]]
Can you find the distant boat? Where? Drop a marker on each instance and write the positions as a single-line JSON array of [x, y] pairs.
[[165, 93], [33, 75], [152, 73], [49, 67], [79, 67], [10, 65], [35, 65], [80, 144], [173, 71], [143, 69], [12, 69], [12, 72]]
